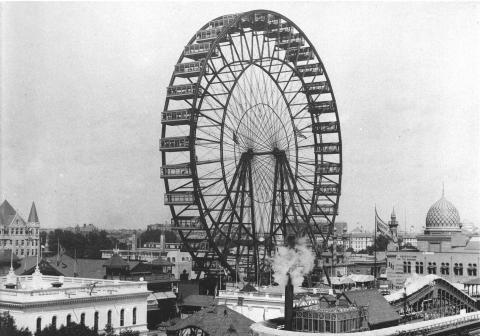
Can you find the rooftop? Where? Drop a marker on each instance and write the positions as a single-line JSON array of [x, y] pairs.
[[379, 310], [217, 320], [40, 288]]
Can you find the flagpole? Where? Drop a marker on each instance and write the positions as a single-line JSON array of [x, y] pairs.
[[375, 247]]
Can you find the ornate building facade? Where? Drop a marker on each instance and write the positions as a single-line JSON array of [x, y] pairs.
[[18, 235], [36, 301], [444, 249]]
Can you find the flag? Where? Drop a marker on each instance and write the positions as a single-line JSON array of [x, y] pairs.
[[381, 226]]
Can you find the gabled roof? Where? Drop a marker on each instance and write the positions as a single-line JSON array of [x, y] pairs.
[[116, 262], [33, 217], [7, 213], [216, 321], [45, 268], [379, 310]]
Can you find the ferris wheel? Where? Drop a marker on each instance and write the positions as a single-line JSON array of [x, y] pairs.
[[251, 143]]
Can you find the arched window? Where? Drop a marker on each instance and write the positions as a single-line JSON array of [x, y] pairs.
[[109, 317], [95, 321], [39, 324], [173, 259], [134, 316], [122, 317], [69, 319], [82, 319], [54, 322]]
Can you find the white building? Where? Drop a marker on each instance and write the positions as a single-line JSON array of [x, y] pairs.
[[267, 303], [360, 239], [36, 301]]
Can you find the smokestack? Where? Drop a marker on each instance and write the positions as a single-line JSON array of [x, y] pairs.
[[289, 304]]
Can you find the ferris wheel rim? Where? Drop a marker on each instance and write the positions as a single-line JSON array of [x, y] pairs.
[[196, 103]]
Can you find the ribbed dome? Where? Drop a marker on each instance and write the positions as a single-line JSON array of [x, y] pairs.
[[443, 216]]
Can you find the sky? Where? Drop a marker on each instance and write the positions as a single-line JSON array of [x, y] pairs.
[[83, 85]]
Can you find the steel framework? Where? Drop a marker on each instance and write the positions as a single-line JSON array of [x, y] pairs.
[[251, 144]]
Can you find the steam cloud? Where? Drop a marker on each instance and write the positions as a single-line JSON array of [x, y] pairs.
[[298, 261]]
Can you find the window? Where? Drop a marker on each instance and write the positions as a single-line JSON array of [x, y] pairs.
[[134, 316], [54, 322], [69, 319], [432, 268], [82, 319], [95, 321], [404, 267], [472, 270], [122, 317], [409, 267], [445, 269], [39, 324], [109, 317], [458, 269]]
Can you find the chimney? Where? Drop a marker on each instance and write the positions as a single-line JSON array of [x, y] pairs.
[[288, 304]]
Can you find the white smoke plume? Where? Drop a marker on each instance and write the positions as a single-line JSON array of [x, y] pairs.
[[298, 261]]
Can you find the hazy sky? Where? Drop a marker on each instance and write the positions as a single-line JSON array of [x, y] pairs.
[[83, 86]]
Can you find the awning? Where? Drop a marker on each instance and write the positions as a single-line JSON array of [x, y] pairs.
[[361, 277], [164, 295]]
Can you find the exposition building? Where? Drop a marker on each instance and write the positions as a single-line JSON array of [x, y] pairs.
[[37, 301], [444, 249], [17, 234]]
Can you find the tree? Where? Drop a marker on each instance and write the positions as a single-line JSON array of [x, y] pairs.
[[351, 250], [71, 329], [380, 244], [154, 236], [109, 331], [129, 332], [81, 245], [9, 328]]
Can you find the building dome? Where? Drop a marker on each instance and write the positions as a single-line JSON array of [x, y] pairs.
[[443, 217]]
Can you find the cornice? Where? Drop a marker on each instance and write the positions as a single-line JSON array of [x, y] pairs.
[[70, 301]]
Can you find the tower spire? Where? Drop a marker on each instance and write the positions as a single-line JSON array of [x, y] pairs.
[[33, 216]]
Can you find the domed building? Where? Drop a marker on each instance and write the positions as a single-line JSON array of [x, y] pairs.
[[444, 249], [442, 218]]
